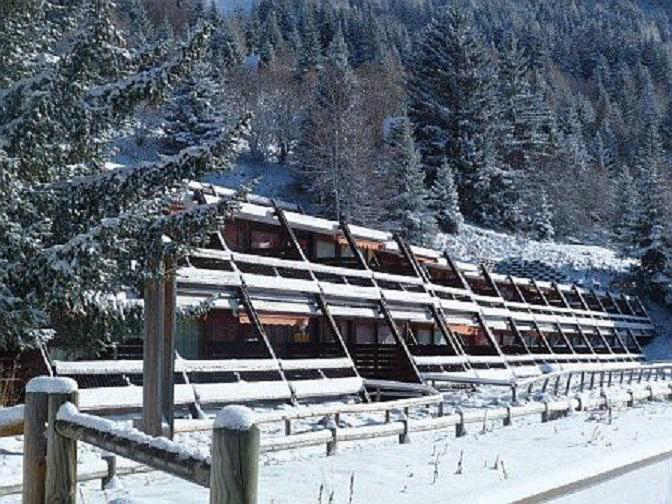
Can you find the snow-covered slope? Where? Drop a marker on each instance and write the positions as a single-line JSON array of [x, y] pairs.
[[510, 254]]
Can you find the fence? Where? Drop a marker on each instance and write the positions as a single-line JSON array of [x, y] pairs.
[[565, 382], [50, 453], [231, 472]]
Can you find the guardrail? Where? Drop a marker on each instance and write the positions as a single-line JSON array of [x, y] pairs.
[[233, 465], [565, 382]]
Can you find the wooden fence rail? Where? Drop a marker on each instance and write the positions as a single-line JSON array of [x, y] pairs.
[[564, 382], [50, 462], [50, 453]]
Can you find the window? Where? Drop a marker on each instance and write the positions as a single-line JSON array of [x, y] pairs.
[[325, 249], [424, 336], [365, 334], [264, 240], [385, 336]]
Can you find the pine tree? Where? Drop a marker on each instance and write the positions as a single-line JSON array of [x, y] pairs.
[[73, 235], [140, 28], [543, 220], [444, 201], [408, 212], [452, 107], [628, 212], [653, 247], [334, 152]]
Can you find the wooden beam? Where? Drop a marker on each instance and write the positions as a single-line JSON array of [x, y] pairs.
[[61, 485], [542, 336], [565, 338], [599, 301], [400, 340], [628, 304], [581, 298], [345, 227], [540, 292], [456, 271], [561, 295], [488, 278], [152, 353], [491, 337], [518, 334], [410, 257], [256, 321], [634, 338], [234, 477], [603, 339], [516, 289], [280, 214], [34, 448], [585, 338], [613, 301], [189, 468]]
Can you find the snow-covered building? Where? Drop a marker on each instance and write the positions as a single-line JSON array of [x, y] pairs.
[[355, 301], [303, 307]]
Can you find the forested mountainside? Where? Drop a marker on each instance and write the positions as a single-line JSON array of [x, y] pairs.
[[541, 118]]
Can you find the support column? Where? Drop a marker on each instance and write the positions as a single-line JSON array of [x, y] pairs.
[[152, 354], [168, 348]]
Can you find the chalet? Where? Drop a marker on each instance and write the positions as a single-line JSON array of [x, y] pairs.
[[306, 307]]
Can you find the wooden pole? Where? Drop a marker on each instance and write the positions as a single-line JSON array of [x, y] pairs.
[[61, 486], [152, 356], [168, 349], [34, 445], [235, 457]]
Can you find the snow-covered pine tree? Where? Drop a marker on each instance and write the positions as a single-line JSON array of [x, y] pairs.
[[73, 235], [334, 152], [444, 201], [408, 212], [628, 211], [542, 223], [653, 244], [452, 107]]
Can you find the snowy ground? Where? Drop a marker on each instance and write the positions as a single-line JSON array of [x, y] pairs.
[[583, 264], [424, 471]]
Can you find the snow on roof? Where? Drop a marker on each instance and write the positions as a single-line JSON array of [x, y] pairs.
[[238, 418]]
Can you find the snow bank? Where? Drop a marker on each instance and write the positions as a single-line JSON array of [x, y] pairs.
[[51, 385], [238, 418]]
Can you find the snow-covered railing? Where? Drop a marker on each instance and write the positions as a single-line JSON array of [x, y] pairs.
[[229, 469], [335, 410], [564, 382], [398, 421], [196, 392]]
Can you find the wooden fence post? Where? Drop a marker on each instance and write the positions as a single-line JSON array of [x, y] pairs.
[[34, 443], [460, 431], [61, 485], [235, 457]]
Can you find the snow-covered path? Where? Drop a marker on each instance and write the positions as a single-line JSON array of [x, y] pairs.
[[426, 471]]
